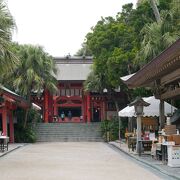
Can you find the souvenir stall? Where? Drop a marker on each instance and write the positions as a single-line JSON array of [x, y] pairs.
[[162, 75], [149, 123]]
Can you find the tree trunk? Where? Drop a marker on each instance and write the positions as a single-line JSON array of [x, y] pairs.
[[117, 107], [27, 110], [26, 118], [155, 10], [118, 117]]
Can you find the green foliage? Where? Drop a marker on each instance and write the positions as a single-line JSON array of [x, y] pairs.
[[24, 135], [105, 129], [34, 71], [94, 83], [142, 92], [113, 48], [84, 50], [121, 45], [157, 36], [7, 25], [34, 116], [110, 129]]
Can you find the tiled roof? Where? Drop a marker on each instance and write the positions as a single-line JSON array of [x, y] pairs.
[[73, 68], [22, 102]]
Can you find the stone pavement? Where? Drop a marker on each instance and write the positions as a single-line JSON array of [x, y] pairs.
[[148, 160], [72, 161], [11, 148]]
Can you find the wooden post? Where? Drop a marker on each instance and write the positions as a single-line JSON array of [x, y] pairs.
[[161, 114], [4, 121], [11, 127], [102, 110]]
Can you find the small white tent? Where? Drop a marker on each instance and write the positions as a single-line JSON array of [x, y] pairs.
[[151, 110]]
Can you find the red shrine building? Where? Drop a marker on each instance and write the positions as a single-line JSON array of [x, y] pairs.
[[71, 103], [9, 101]]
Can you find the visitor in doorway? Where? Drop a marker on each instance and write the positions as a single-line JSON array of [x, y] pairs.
[[62, 116], [81, 118], [69, 115]]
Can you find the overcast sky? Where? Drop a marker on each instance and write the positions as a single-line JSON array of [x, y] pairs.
[[59, 26]]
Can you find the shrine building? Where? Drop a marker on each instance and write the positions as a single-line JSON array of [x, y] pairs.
[[71, 99], [9, 101]]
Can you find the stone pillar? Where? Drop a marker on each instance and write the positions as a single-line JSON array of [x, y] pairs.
[[138, 145], [11, 127]]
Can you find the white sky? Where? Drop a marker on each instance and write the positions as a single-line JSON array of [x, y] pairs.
[[59, 26]]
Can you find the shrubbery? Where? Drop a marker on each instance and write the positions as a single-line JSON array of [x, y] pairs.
[[26, 134], [110, 129]]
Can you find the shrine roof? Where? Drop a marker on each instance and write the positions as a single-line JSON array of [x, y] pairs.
[[165, 63], [20, 101], [73, 68]]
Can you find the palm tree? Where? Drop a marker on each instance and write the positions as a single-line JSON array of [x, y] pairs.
[[94, 83], [7, 25], [157, 36], [35, 72], [153, 4]]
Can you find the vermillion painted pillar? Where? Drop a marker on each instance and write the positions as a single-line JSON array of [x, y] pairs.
[[4, 121], [46, 114], [55, 108], [88, 108], [50, 107], [11, 127], [85, 109]]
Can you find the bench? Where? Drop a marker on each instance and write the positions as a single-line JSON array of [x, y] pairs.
[[4, 142]]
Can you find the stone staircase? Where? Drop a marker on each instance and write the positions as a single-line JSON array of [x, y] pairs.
[[68, 132]]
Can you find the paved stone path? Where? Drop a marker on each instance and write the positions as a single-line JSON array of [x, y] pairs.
[[70, 161], [147, 159]]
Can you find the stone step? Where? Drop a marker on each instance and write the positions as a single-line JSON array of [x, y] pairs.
[[72, 133], [71, 139], [63, 132]]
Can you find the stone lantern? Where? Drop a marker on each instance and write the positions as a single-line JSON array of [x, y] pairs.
[[139, 104]]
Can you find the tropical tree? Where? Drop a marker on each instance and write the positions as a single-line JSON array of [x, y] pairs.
[[155, 10], [157, 36], [94, 83], [34, 73], [115, 42], [7, 25], [84, 50]]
